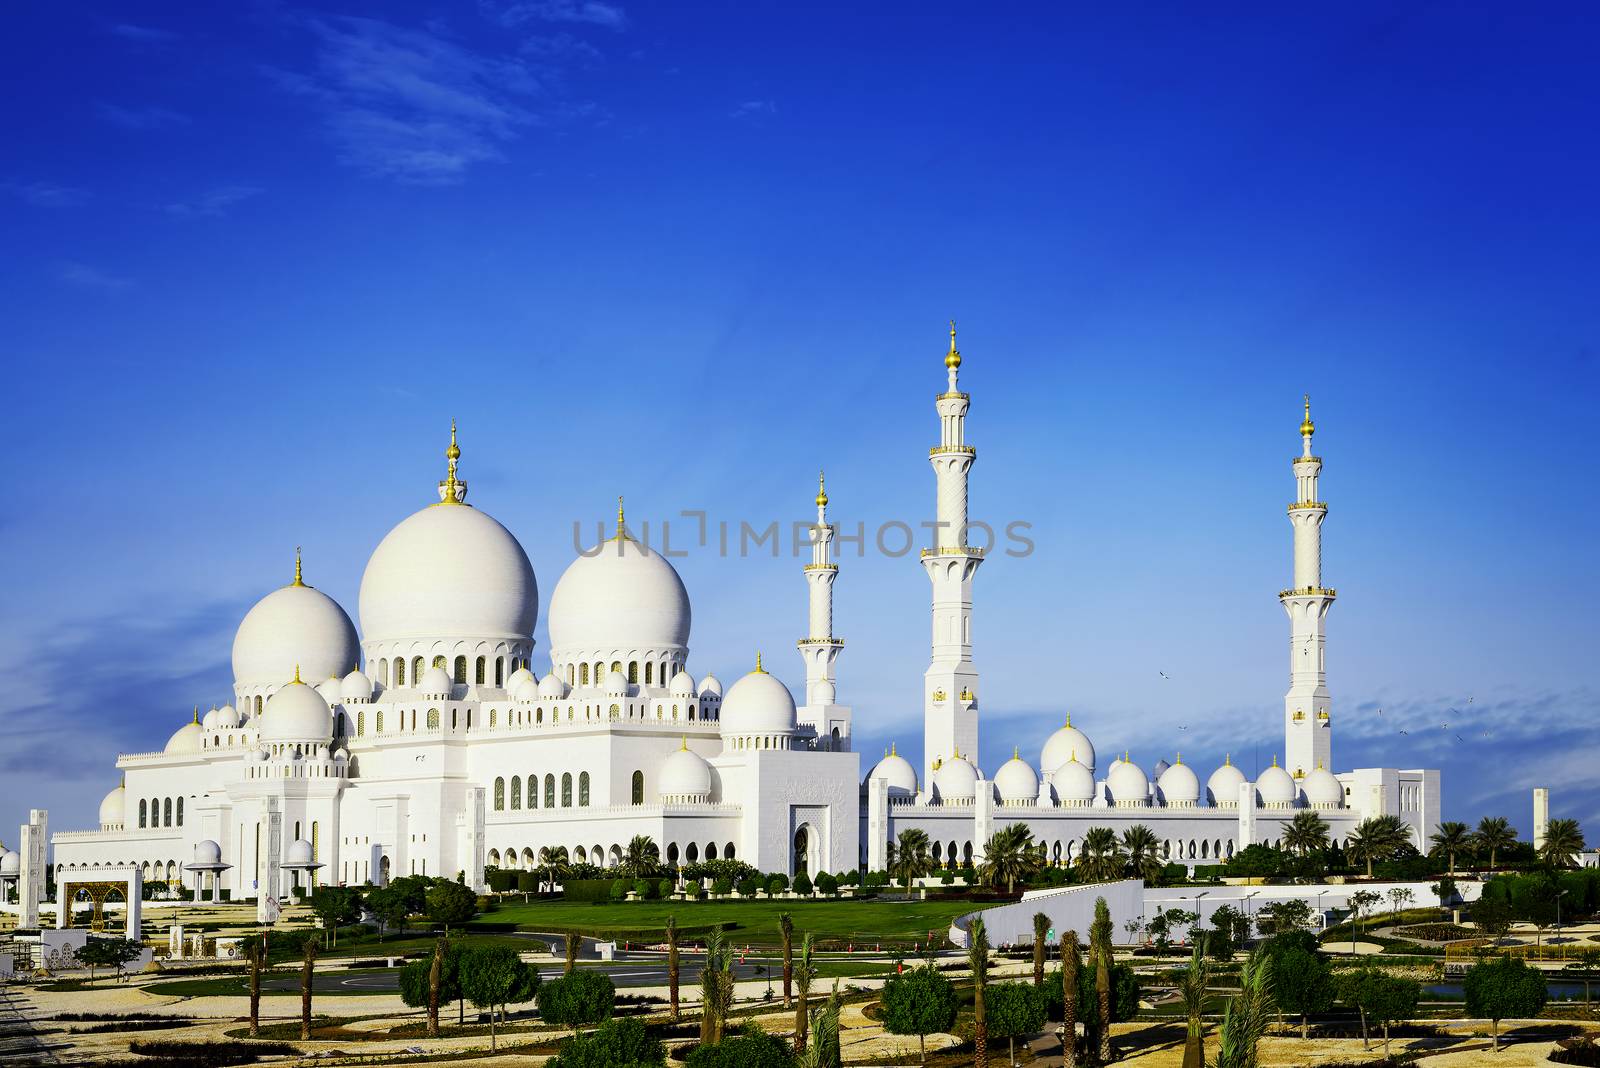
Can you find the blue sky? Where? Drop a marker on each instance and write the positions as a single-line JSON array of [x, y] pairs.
[[257, 256]]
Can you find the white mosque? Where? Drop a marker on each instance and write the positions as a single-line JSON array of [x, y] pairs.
[[428, 744]]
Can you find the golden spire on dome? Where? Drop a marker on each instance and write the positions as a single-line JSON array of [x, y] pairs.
[[684, 748], [196, 714], [447, 488], [1274, 759], [822, 491], [298, 579], [1227, 760], [952, 359], [1179, 759], [296, 680], [1069, 719], [622, 521], [892, 750], [759, 669], [1307, 428], [1016, 754]]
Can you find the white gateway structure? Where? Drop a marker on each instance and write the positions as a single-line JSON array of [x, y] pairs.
[[429, 746]]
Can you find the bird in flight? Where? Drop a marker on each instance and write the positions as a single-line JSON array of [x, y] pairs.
[[1404, 731], [1459, 738], [1164, 675]]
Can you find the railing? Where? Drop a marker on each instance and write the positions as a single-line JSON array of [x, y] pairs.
[[963, 450], [1301, 506], [954, 550], [822, 567], [1308, 591], [820, 641]]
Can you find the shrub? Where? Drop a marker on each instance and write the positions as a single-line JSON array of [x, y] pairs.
[[666, 888], [802, 884], [722, 885], [753, 1049], [624, 1043], [577, 999], [619, 890], [777, 883], [827, 883], [641, 887]]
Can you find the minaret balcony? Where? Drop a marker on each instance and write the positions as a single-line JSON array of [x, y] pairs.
[[821, 641], [954, 550], [821, 567], [954, 395], [961, 450], [1308, 591], [1308, 506]]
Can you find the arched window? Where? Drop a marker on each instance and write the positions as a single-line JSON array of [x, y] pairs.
[[399, 671], [692, 854], [433, 719], [616, 665], [616, 711], [711, 851], [583, 789], [452, 719], [258, 704], [499, 794], [533, 791], [493, 716], [516, 792], [143, 815], [583, 674], [637, 794], [461, 670], [166, 813], [633, 671], [441, 661], [549, 791], [378, 726], [338, 725], [478, 669], [672, 853], [180, 812], [649, 672], [727, 852], [416, 670], [566, 789], [569, 674], [499, 671]]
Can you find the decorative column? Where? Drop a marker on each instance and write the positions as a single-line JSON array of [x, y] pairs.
[[819, 649], [1308, 742]]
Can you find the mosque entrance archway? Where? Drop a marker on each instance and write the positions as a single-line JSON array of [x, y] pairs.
[[807, 850]]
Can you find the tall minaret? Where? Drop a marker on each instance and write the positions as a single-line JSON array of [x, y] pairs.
[[950, 686], [819, 648], [1307, 730]]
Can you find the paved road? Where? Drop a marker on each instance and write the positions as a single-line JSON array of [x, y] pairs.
[[19, 1045]]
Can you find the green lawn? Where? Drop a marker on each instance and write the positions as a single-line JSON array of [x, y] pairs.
[[865, 923]]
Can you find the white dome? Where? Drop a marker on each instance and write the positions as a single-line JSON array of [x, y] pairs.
[[616, 684], [518, 677], [1223, 786], [1276, 786], [758, 704], [448, 570], [299, 852], [1322, 789], [435, 682], [1073, 783], [552, 686], [296, 713], [207, 852], [113, 807], [1067, 743], [956, 781], [10, 862], [209, 720], [227, 718], [898, 770], [685, 774], [526, 691], [1127, 783], [710, 686], [1179, 785], [329, 690], [355, 687], [622, 596], [1017, 782], [294, 627], [682, 685], [188, 738]]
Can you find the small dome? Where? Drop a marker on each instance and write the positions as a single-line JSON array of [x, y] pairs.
[[552, 686], [526, 691], [435, 682], [682, 685], [113, 807], [1073, 783], [685, 775], [329, 690], [10, 862], [901, 775], [207, 852], [622, 595], [956, 781], [1222, 788], [1322, 789], [1017, 782], [355, 687], [1127, 783], [758, 704], [299, 852], [1067, 743], [209, 720], [296, 713], [616, 684], [517, 678], [710, 686], [1179, 785], [295, 626], [188, 738], [1276, 787], [227, 718]]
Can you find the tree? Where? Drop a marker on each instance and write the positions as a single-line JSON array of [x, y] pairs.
[[1382, 998], [493, 977], [909, 859], [1494, 834], [1303, 983], [1291, 914], [1229, 927], [1041, 931], [1100, 860], [919, 1002], [1248, 1013], [1143, 851], [555, 863], [1451, 840], [449, 903], [571, 942], [622, 1043], [307, 966], [1360, 902], [1585, 964], [716, 987], [754, 1048], [1491, 914], [255, 951], [1502, 988], [978, 962], [786, 930], [1192, 994], [802, 981], [672, 964], [108, 953], [1376, 839], [336, 905], [1305, 834], [391, 905], [1401, 897], [435, 986], [577, 999], [1015, 1009], [642, 858], [416, 978], [1563, 840], [1100, 945], [823, 1049], [1071, 966], [1009, 855], [1444, 890]]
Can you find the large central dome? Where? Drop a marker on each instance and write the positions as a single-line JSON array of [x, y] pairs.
[[620, 596]]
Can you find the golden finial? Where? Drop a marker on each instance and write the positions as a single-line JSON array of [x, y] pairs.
[[952, 359], [196, 714], [1274, 759], [1069, 719], [1227, 760], [454, 451], [622, 522], [892, 750], [759, 669], [684, 748], [297, 681], [298, 580], [822, 491], [1125, 759], [1308, 428], [447, 489], [1179, 759], [1016, 754]]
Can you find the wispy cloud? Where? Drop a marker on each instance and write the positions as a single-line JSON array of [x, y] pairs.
[[46, 194], [86, 277], [560, 48], [146, 118], [129, 31], [215, 202], [751, 109], [590, 12]]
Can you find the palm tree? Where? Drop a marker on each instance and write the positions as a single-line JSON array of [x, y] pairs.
[[786, 928], [802, 985], [672, 963], [909, 857], [1009, 855], [255, 950], [1376, 839], [978, 961], [1494, 833], [1041, 931], [435, 985], [1071, 964], [1100, 945], [1100, 860], [307, 968], [553, 859], [823, 1052], [1451, 839], [1563, 839], [1306, 833], [1192, 993], [716, 987], [1144, 853], [642, 858], [1248, 1013]]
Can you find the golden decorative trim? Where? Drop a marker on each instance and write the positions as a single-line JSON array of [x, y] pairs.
[[821, 567], [1308, 506], [1308, 591], [963, 450], [952, 359], [820, 641], [954, 550]]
